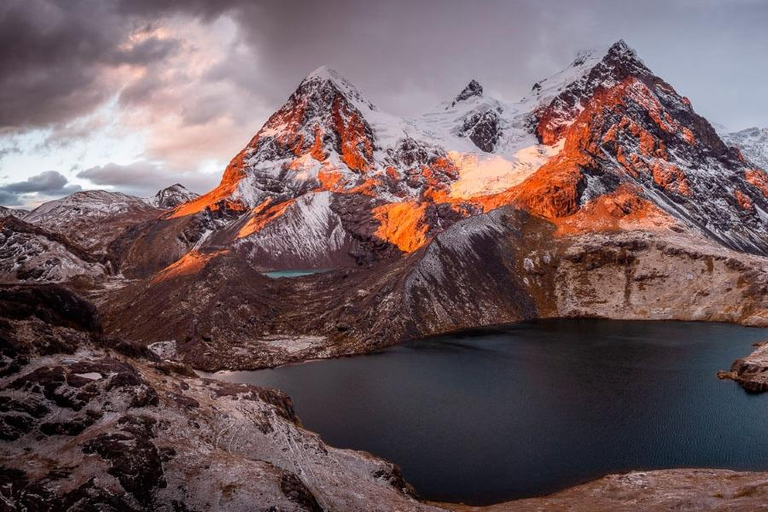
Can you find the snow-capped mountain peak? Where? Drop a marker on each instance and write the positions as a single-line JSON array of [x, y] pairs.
[[171, 197], [323, 82], [604, 122], [472, 89], [601, 66]]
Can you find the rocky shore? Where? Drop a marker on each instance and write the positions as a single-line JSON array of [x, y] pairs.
[[670, 489], [750, 372]]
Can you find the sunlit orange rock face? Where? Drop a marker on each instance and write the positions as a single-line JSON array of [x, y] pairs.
[[355, 141], [757, 178], [554, 190], [744, 201], [191, 263], [624, 122], [263, 215], [669, 177], [622, 209], [220, 197], [402, 224]]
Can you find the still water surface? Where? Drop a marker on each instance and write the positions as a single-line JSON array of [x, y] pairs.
[[533, 408], [281, 274]]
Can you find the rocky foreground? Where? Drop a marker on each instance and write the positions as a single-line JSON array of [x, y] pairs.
[[90, 422]]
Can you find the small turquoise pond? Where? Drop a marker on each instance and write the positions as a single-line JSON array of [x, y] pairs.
[[277, 274]]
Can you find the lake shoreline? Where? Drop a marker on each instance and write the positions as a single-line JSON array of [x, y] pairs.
[[563, 356]]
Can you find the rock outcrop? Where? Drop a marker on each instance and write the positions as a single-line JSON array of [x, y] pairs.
[[750, 372]]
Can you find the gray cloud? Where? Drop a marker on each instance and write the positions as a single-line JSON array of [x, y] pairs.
[[145, 178], [45, 184], [404, 54], [408, 55], [54, 54]]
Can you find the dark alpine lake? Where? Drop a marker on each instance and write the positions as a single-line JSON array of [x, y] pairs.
[[528, 409]]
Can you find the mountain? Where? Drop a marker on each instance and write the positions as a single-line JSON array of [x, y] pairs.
[[753, 144], [171, 197], [629, 136], [330, 180], [12, 212], [602, 167], [93, 218], [603, 158]]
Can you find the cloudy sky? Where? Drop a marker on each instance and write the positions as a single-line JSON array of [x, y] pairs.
[[134, 95]]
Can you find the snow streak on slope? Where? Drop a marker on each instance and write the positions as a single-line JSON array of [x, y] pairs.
[[482, 174], [316, 233]]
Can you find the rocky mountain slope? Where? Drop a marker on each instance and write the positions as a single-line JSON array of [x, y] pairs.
[[92, 218], [30, 253], [500, 267], [672, 489], [63, 239]]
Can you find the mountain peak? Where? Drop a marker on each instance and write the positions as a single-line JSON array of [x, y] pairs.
[[620, 51], [326, 73], [171, 197], [621, 46], [473, 88], [325, 78]]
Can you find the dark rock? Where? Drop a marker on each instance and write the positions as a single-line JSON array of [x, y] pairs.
[[18, 491], [184, 401], [71, 427], [90, 497], [13, 426], [134, 459], [295, 490], [31, 406], [394, 476], [483, 129]]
